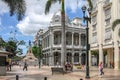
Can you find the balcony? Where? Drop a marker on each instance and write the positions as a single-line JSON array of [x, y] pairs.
[[94, 10], [107, 3], [57, 46]]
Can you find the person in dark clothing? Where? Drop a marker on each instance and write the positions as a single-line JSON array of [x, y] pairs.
[[25, 66]]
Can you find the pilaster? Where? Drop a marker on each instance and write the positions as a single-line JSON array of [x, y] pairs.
[[100, 53]]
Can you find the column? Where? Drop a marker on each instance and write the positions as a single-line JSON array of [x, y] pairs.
[[116, 57], [51, 51], [116, 48], [80, 58], [49, 59], [72, 48], [100, 53], [47, 40], [73, 58], [72, 39], [109, 57], [79, 39]]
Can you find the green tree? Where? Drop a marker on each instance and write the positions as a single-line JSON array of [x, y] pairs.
[[94, 52], [47, 8], [37, 51], [2, 42], [17, 7], [114, 24], [13, 47]]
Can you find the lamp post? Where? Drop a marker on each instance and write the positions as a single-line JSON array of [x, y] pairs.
[[87, 19]]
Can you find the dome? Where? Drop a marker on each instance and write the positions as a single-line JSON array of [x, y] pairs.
[[57, 18]]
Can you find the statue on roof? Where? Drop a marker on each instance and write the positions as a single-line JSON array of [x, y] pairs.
[[29, 43]]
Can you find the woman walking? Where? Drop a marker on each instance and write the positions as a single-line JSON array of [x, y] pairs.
[[101, 68]]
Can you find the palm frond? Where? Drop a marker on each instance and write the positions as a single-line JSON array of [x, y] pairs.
[[90, 4], [115, 23], [16, 7], [48, 5]]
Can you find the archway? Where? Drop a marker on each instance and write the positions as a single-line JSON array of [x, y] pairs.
[[57, 58], [76, 58], [57, 37], [95, 57], [83, 58], [69, 57], [68, 38]]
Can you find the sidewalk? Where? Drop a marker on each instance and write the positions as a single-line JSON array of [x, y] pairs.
[[34, 73]]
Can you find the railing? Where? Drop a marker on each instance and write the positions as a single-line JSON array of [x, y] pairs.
[[94, 9], [107, 2]]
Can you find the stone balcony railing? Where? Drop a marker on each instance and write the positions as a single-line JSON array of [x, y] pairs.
[[107, 2]]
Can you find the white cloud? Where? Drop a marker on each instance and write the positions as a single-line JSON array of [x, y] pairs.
[[73, 5], [35, 17], [3, 7]]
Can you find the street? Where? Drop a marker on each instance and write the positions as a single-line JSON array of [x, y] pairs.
[[34, 73]]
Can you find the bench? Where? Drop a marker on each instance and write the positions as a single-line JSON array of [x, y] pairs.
[[57, 69]]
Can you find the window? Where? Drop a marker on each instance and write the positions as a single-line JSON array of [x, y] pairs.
[[107, 1], [107, 13], [57, 18], [107, 22], [95, 3], [94, 20], [94, 37], [94, 27], [108, 34], [107, 16]]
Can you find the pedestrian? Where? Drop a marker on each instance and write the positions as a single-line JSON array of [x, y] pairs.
[[25, 65], [10, 65], [101, 68]]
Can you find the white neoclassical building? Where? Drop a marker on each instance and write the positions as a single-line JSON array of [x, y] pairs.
[[103, 40], [51, 41]]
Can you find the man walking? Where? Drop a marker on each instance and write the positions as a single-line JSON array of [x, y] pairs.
[[25, 65]]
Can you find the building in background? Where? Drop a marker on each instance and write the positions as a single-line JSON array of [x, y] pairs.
[[51, 38], [103, 40]]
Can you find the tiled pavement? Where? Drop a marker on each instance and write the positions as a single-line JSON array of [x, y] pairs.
[[34, 73]]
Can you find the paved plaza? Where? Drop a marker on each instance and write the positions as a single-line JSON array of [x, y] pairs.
[[34, 73]]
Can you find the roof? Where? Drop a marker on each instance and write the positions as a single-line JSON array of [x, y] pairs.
[[4, 52]]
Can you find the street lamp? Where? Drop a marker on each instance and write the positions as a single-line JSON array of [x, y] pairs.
[[87, 19], [39, 44]]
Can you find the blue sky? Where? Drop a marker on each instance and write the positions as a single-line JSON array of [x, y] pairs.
[[34, 19]]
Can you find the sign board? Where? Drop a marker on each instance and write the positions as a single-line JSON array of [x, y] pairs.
[[2, 60]]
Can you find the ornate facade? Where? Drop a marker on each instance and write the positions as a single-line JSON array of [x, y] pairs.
[[103, 39], [51, 41]]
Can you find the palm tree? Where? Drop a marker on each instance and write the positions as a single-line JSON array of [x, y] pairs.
[[47, 8], [16, 7], [114, 24]]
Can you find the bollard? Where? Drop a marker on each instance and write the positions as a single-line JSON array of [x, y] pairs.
[[17, 77], [45, 78]]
